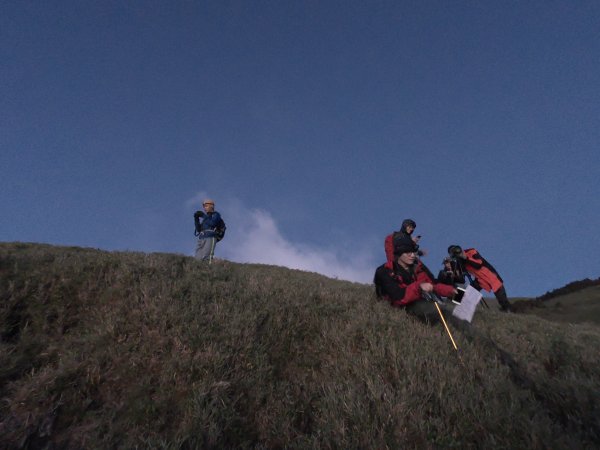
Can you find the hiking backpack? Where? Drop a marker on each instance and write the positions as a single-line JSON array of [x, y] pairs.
[[220, 231], [388, 246]]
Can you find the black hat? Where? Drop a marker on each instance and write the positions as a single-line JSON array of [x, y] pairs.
[[405, 245], [454, 249], [408, 223]]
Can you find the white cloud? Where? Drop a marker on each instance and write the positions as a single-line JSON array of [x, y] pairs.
[[254, 237]]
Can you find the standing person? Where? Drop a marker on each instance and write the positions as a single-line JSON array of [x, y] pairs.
[[486, 277], [406, 280], [209, 231]]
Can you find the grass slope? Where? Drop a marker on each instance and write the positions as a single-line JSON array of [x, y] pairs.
[[578, 307], [131, 350]]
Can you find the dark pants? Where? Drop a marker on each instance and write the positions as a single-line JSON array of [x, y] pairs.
[[425, 311], [500, 295], [502, 299]]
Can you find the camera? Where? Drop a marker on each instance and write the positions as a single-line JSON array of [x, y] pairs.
[[456, 251], [456, 265]]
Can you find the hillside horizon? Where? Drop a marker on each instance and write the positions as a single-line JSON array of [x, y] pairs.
[[569, 287], [126, 349]]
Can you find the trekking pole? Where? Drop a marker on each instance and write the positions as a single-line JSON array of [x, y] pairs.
[[212, 250], [432, 298], [445, 325]]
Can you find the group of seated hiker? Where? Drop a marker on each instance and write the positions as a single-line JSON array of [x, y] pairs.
[[406, 282]]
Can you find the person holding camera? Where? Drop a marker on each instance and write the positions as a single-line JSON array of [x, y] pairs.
[[469, 261], [405, 281], [450, 274], [210, 230]]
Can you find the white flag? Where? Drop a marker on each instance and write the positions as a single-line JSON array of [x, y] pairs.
[[467, 306]]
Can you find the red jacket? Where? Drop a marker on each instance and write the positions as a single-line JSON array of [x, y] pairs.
[[485, 273], [402, 287]]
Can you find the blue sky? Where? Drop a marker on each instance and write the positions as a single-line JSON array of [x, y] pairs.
[[317, 127]]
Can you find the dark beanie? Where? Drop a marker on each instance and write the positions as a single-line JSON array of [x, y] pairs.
[[405, 245], [453, 248], [408, 223]]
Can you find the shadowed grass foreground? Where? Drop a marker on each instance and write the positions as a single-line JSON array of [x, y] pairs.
[[125, 350]]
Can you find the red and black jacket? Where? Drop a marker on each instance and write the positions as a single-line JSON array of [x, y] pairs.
[[485, 273], [403, 286]]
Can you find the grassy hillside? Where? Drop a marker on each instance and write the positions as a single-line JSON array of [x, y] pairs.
[[126, 350], [576, 307], [570, 288], [575, 303]]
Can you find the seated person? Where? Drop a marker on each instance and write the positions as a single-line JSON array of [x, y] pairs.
[[405, 232], [405, 280], [450, 274]]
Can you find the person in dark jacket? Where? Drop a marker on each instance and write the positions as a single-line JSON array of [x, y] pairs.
[[405, 281], [405, 232], [450, 275], [486, 277], [209, 230]]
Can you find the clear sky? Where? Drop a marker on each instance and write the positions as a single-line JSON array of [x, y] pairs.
[[316, 126]]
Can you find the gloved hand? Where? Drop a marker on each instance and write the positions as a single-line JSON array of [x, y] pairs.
[[198, 214]]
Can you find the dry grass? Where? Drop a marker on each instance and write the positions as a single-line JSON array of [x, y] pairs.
[[130, 350], [572, 307]]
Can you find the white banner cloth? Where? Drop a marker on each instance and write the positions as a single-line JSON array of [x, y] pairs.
[[466, 309]]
